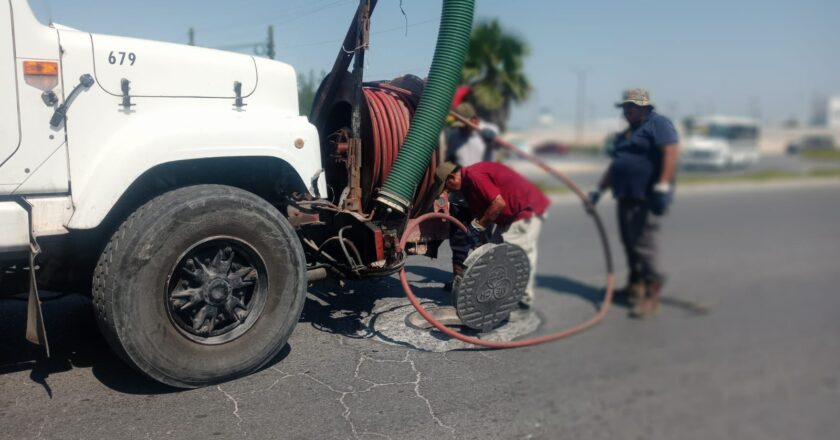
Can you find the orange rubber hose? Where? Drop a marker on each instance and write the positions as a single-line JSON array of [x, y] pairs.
[[610, 279]]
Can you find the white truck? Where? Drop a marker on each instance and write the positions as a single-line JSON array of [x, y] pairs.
[[180, 187], [720, 142], [157, 173]]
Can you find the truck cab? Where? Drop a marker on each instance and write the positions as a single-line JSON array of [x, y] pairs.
[[137, 170], [720, 142]]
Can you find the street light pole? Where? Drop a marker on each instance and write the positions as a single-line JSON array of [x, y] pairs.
[[580, 119]]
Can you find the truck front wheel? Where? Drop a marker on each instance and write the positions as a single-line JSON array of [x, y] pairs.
[[200, 285]]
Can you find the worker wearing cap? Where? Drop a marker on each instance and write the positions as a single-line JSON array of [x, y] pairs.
[[465, 146], [498, 195], [641, 177]]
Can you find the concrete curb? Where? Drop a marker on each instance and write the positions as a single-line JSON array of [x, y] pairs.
[[712, 187]]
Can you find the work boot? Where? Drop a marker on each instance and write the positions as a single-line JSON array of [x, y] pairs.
[[635, 292], [638, 310], [649, 304], [652, 298]]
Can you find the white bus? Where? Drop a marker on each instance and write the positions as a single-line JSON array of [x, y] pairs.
[[720, 142]]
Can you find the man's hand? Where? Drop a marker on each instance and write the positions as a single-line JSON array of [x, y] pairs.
[[475, 234], [594, 196], [661, 199]]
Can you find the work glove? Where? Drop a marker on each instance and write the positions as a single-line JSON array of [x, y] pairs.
[[661, 199], [488, 135], [475, 234], [594, 196]]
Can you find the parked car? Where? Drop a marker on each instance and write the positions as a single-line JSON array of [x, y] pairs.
[[551, 147], [821, 142]]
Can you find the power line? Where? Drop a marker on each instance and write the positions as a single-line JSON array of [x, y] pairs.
[[266, 47], [291, 19], [238, 46], [276, 20], [395, 72], [333, 41], [223, 27]]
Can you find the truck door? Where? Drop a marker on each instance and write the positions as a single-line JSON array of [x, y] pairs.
[[10, 127], [33, 158]]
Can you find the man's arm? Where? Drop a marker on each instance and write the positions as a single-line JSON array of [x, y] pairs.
[[662, 191], [492, 212], [670, 156], [665, 137], [604, 183]]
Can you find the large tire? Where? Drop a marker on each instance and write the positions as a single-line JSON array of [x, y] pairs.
[[147, 273]]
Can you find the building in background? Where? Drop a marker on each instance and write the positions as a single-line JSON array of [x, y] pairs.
[[819, 111], [834, 112]]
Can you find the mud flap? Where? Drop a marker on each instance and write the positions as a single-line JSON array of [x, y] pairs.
[[494, 281], [36, 331]]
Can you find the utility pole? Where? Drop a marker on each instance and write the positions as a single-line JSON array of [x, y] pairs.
[[269, 47], [191, 34], [755, 108], [580, 119]]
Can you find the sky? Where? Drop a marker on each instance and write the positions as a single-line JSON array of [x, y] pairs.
[[764, 58]]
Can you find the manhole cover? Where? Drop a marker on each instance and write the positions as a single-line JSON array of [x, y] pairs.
[[492, 285]]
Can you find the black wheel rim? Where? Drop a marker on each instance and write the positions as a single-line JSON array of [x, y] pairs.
[[216, 290]]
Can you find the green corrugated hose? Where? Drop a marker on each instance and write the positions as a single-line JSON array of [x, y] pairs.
[[444, 76]]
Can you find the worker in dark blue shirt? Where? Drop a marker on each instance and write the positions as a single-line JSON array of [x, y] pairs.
[[641, 178]]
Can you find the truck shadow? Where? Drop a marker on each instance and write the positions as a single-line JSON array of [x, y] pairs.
[[351, 311], [75, 343], [354, 310]]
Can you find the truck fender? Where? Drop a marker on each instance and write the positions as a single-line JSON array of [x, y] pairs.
[[129, 154]]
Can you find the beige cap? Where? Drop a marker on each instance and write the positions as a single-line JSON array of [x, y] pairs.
[[638, 96], [442, 173]]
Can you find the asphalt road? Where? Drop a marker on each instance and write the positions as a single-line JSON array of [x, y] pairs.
[[747, 346]]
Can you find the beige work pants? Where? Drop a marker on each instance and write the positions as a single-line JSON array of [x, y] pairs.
[[525, 234]]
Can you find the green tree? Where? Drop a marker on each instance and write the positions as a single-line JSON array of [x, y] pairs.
[[307, 87], [495, 69]]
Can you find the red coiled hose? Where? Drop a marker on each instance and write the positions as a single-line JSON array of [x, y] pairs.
[[390, 111]]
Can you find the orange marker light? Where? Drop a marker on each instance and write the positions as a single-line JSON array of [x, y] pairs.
[[42, 75], [40, 68]]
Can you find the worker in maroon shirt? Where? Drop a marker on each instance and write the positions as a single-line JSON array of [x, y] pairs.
[[498, 195]]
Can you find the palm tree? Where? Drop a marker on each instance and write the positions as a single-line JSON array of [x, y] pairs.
[[494, 70], [307, 89]]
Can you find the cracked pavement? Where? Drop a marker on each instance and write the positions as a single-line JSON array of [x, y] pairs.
[[747, 346]]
